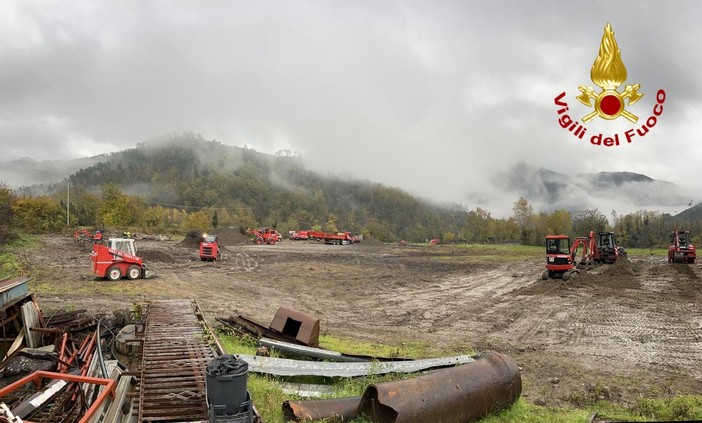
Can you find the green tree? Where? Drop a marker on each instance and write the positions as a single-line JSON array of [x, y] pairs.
[[215, 220], [589, 220], [155, 217], [5, 211]]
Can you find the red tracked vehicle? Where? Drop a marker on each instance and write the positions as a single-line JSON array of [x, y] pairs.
[[209, 248], [681, 250]]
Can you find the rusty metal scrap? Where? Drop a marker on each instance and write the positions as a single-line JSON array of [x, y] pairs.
[[331, 410], [457, 395], [321, 353], [306, 390], [296, 325], [63, 380], [302, 350], [246, 325], [288, 367]]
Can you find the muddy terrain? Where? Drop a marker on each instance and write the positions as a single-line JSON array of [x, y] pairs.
[[618, 332]]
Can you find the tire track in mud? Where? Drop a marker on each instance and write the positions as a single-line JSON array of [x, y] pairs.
[[658, 326], [645, 318]]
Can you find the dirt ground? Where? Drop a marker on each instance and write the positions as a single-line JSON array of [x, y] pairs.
[[619, 332]]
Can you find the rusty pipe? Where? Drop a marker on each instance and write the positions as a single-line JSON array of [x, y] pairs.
[[335, 410], [62, 351], [460, 394]]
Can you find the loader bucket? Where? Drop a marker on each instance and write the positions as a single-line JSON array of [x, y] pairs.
[[149, 273]]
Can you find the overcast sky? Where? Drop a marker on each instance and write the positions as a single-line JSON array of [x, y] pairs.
[[434, 97]]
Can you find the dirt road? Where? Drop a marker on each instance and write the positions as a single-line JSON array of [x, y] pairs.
[[618, 332]]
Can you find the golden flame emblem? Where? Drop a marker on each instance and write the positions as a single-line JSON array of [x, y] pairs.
[[608, 72]]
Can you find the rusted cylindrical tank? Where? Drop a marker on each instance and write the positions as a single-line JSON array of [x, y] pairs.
[[459, 394], [333, 410]]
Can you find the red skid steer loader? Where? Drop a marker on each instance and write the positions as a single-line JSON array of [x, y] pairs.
[[118, 259]]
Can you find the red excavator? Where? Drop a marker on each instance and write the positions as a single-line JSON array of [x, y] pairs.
[[209, 248], [82, 234], [561, 255], [681, 249], [597, 248]]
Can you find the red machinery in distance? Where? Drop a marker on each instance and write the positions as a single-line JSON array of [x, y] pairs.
[[606, 249], [82, 234], [337, 238], [266, 236], [209, 248], [681, 250], [299, 235]]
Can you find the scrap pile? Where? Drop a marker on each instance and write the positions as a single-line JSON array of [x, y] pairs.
[[56, 368], [458, 388]]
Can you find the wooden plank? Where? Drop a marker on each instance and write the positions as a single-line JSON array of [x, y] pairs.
[[15, 345], [30, 319]]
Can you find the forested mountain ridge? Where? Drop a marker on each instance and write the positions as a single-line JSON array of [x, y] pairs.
[[185, 182], [189, 172]]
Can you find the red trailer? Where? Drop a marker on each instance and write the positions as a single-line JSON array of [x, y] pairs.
[[299, 235], [337, 238]]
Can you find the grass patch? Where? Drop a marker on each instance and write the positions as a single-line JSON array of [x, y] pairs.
[[410, 349], [500, 252], [525, 412], [687, 407], [11, 265]]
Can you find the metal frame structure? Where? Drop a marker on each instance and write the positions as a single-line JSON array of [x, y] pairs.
[[37, 376]]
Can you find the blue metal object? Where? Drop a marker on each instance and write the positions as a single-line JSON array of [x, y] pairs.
[[12, 288]]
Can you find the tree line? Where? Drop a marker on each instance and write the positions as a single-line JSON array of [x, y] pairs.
[[112, 209]]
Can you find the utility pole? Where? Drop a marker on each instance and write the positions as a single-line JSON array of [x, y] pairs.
[[68, 205]]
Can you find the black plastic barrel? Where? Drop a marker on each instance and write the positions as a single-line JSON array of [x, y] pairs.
[[225, 382]]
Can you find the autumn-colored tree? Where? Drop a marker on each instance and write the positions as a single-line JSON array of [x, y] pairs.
[[559, 222], [196, 221], [523, 216], [331, 223], [480, 226], [37, 214]]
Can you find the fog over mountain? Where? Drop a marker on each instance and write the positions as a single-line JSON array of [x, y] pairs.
[[623, 192], [546, 190]]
